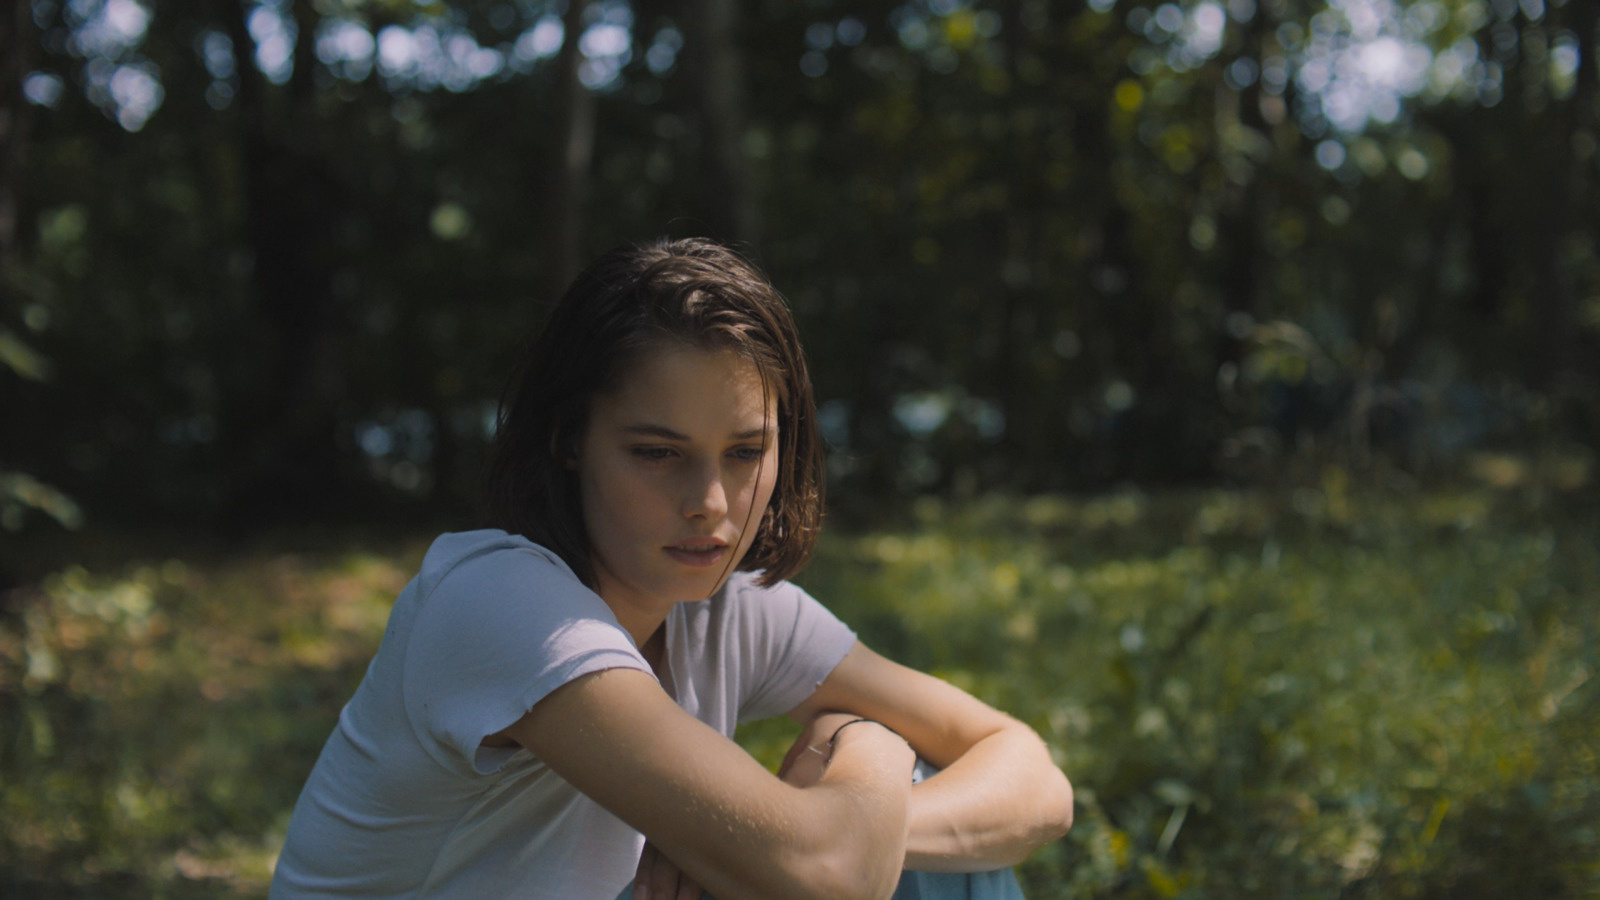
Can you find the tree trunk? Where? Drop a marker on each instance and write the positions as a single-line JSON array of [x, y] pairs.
[[1241, 222], [716, 69], [574, 151], [1564, 178], [16, 44], [285, 441]]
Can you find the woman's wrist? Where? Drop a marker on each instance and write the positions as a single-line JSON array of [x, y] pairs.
[[869, 730], [857, 721]]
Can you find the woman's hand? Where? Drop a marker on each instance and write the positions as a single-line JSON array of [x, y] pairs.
[[998, 794], [807, 759], [658, 878]]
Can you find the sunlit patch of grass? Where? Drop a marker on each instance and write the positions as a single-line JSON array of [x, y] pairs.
[[158, 720], [1312, 693], [1319, 692]]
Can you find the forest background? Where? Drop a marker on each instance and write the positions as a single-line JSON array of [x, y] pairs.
[[1214, 383]]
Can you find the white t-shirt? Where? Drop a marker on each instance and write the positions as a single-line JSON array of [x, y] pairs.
[[405, 802]]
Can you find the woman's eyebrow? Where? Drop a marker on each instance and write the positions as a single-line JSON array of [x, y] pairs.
[[650, 429]]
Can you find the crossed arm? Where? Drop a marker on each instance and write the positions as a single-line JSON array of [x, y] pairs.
[[727, 824], [998, 794]]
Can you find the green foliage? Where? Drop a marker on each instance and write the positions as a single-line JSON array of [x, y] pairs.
[[1102, 251], [159, 722], [20, 492], [1324, 693], [1325, 697], [22, 359]]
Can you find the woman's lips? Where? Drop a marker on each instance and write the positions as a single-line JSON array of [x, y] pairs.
[[698, 555]]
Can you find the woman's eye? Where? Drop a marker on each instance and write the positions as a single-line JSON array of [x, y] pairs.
[[653, 452], [748, 454]]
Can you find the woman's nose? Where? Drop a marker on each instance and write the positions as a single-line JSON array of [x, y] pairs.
[[705, 496]]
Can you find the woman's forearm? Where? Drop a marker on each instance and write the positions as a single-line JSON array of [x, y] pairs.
[[990, 807], [868, 799], [845, 836], [999, 795]]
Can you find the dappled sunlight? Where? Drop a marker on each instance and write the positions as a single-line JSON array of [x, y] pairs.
[[1562, 470], [1250, 694], [164, 716], [1212, 383], [1318, 710]]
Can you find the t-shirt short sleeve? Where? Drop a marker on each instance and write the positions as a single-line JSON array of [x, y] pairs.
[[493, 635], [789, 644]]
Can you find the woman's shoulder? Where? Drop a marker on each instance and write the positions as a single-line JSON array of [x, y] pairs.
[[490, 554], [483, 598], [780, 605]]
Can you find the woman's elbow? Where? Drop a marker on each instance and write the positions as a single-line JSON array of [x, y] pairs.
[[851, 877], [842, 864], [1048, 816], [1047, 789], [1056, 810]]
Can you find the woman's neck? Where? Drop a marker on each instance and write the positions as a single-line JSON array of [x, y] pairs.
[[654, 650], [640, 620], [640, 615]]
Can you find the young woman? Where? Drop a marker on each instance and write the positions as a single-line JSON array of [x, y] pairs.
[[549, 713]]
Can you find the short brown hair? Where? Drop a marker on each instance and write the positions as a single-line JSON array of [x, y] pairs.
[[693, 291]]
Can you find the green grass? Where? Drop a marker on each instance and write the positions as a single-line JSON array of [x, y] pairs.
[[1311, 694]]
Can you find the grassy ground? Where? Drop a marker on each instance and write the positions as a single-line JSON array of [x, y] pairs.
[[1316, 693]]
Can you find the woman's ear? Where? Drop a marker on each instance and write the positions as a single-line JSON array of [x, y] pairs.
[[564, 451]]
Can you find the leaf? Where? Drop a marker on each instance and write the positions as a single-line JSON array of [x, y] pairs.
[[22, 488], [22, 359]]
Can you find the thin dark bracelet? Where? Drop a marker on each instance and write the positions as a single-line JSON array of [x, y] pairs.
[[858, 722], [829, 756]]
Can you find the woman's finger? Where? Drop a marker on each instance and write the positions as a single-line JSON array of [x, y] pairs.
[[664, 877], [813, 740], [798, 747], [641, 876]]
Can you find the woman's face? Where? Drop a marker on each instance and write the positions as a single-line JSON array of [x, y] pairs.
[[675, 470]]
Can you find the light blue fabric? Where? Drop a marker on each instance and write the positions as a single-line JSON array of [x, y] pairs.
[[997, 885]]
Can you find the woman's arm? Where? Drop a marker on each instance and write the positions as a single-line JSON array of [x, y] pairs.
[[710, 807], [998, 796]]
